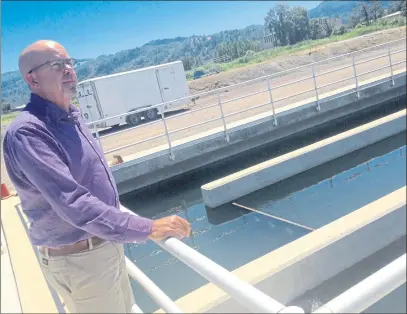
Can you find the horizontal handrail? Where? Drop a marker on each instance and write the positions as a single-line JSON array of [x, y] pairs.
[[304, 92], [192, 111], [195, 125], [336, 82], [400, 62], [244, 293], [372, 59], [370, 290], [397, 51], [247, 109], [133, 144], [129, 129], [241, 83], [244, 96], [374, 70], [335, 70], [292, 82], [159, 297]]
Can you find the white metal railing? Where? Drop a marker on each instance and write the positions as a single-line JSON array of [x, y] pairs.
[[159, 297], [355, 300], [245, 294], [270, 89], [369, 291]]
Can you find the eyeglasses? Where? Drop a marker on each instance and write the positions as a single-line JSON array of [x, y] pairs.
[[57, 65]]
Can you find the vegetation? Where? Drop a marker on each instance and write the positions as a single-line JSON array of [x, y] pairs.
[[293, 29], [306, 45], [342, 9], [7, 118]]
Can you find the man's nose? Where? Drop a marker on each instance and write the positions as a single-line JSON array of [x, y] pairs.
[[68, 71]]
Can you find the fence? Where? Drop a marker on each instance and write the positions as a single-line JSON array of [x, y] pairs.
[[269, 89]]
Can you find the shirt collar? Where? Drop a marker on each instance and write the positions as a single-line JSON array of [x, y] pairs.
[[51, 111]]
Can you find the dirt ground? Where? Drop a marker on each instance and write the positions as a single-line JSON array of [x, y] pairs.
[[282, 94]]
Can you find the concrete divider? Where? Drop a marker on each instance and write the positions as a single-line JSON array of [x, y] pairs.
[[241, 183]]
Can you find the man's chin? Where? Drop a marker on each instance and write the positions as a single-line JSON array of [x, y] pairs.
[[70, 91]]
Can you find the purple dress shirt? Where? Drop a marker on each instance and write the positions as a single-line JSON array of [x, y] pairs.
[[66, 187]]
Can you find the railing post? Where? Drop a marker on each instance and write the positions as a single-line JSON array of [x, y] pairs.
[[356, 76], [97, 134], [271, 101], [95, 129], [172, 156], [315, 87], [391, 65], [223, 119]]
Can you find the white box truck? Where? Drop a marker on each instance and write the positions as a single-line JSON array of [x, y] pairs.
[[119, 93]]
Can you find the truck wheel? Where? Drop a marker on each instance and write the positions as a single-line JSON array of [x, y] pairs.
[[151, 114], [133, 119]]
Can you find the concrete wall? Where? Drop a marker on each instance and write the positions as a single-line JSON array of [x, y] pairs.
[[203, 149], [305, 263], [243, 182]]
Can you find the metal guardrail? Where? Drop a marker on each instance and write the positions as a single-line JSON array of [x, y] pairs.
[[159, 297], [245, 294], [270, 89], [355, 300], [369, 291]]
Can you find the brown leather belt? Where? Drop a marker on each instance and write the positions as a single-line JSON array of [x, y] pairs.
[[72, 248]]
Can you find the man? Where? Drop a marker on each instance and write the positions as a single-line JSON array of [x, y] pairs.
[[68, 193]]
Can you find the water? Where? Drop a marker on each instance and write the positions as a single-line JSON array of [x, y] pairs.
[[394, 302], [233, 237]]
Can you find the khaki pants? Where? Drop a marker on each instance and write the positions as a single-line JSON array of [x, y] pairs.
[[91, 281]]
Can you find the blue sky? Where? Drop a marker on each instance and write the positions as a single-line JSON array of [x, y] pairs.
[[92, 28]]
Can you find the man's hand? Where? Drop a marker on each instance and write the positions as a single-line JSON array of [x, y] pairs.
[[172, 226]]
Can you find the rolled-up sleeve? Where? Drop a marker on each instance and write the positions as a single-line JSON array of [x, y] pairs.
[[40, 159]]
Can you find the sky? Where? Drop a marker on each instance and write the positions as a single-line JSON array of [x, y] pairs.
[[89, 29]]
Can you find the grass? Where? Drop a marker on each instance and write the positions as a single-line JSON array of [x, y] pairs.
[[7, 118], [265, 55]]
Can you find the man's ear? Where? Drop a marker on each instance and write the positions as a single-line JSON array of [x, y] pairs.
[[32, 80]]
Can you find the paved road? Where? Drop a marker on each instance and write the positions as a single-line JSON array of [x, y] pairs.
[[192, 118]]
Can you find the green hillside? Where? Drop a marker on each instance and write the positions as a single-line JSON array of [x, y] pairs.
[[342, 9]]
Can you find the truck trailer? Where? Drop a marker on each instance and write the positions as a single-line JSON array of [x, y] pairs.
[[115, 94]]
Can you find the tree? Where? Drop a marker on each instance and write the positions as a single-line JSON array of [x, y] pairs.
[[300, 24], [376, 10], [397, 6], [315, 29], [365, 12], [287, 25], [188, 63], [328, 25]]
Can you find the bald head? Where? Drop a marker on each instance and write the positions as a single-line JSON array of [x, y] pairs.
[[39, 53], [54, 77]]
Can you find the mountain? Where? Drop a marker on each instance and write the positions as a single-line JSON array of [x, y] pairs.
[[201, 48], [341, 9]]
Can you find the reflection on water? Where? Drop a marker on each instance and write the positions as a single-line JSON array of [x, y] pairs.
[[233, 237], [332, 198]]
